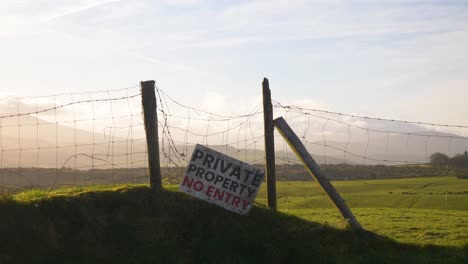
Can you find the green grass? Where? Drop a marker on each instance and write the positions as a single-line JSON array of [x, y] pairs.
[[425, 210], [415, 226], [446, 193], [131, 224], [412, 220]]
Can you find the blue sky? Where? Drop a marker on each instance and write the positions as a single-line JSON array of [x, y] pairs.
[[399, 59]]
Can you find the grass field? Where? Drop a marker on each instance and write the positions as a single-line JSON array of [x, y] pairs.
[[444, 193], [426, 210], [414, 221]]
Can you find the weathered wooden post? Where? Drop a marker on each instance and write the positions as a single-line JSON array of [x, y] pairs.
[[148, 98], [314, 170], [269, 145]]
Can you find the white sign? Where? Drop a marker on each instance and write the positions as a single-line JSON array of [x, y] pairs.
[[222, 180]]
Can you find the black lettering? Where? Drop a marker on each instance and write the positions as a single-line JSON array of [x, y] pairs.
[[200, 172], [235, 172], [219, 178], [209, 176], [257, 179], [208, 160], [224, 169], [242, 188], [198, 155], [233, 186], [191, 168], [226, 183], [247, 175], [215, 166]]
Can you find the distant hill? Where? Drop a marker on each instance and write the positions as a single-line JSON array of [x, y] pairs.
[[121, 147]]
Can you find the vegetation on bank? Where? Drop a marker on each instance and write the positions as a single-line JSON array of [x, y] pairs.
[[132, 224]]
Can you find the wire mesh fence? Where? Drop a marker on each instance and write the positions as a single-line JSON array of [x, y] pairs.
[[75, 139], [72, 139], [183, 126], [354, 151]]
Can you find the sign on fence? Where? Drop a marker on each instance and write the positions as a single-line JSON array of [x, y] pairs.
[[222, 180]]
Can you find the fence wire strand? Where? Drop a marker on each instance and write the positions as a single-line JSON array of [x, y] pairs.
[[98, 137], [72, 139]]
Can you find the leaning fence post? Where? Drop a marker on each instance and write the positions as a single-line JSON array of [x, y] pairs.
[[314, 170], [269, 145], [148, 98]]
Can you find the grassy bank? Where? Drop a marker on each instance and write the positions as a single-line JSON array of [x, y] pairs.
[[130, 224]]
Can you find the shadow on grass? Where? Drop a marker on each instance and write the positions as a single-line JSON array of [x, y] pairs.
[[136, 225]]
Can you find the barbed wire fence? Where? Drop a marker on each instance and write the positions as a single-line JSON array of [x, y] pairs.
[[354, 147], [74, 139], [348, 147], [183, 126], [87, 138], [339, 138]]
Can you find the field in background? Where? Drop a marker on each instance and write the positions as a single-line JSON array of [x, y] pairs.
[[40, 178], [424, 210], [443, 193], [415, 226]]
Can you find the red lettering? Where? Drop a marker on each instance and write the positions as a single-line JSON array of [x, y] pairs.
[[187, 182], [221, 195], [236, 201], [228, 196], [245, 203], [199, 184], [210, 190], [218, 194]]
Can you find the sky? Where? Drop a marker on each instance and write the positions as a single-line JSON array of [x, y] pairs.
[[404, 59]]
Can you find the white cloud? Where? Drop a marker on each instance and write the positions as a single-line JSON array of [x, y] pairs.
[[384, 45], [215, 102]]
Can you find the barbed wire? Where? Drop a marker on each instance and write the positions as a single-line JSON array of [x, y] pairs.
[[213, 129], [111, 140], [198, 110], [69, 93], [322, 124], [66, 105], [294, 107], [386, 131], [103, 126], [101, 139], [367, 153]]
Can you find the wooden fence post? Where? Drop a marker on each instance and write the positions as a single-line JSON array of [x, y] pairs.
[[269, 145], [314, 170], [148, 98]]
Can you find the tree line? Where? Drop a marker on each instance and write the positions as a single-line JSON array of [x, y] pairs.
[[442, 161]]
